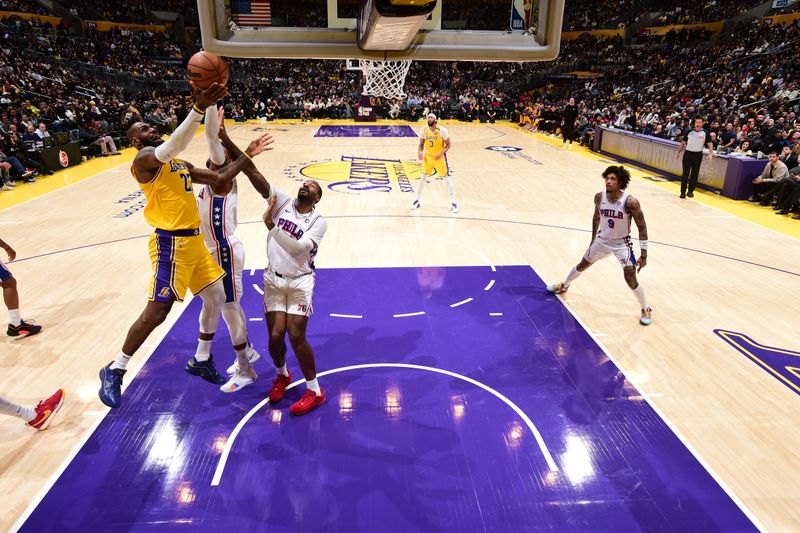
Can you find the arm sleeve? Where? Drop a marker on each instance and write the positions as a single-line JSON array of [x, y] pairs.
[[180, 138], [783, 172], [215, 151], [309, 241]]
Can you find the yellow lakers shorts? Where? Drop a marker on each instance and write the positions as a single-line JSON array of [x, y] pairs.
[[437, 166], [180, 261]]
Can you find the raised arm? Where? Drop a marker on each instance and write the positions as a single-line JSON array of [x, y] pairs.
[[149, 160], [215, 151], [216, 178], [257, 179], [635, 209]]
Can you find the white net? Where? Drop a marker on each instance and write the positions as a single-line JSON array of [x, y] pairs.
[[384, 78]]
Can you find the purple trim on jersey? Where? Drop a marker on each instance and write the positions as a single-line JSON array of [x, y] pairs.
[[5, 274], [165, 270]]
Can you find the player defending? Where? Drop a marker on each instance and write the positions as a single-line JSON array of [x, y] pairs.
[[611, 234], [295, 232], [16, 326], [177, 251], [218, 208], [434, 142], [38, 417]]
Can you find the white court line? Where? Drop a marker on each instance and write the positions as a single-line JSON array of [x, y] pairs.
[[258, 289], [403, 315], [462, 302], [256, 319], [528, 422], [168, 324], [489, 286], [495, 314], [336, 315], [667, 421]]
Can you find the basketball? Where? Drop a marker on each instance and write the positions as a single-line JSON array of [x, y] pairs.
[[206, 68]]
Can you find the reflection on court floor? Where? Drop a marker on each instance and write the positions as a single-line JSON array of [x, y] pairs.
[[459, 399]]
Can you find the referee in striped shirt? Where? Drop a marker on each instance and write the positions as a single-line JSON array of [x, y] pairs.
[[693, 143]]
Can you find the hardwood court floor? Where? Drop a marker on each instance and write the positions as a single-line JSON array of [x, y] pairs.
[[83, 271]]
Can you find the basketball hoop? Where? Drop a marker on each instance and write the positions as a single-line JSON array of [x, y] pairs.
[[384, 79]]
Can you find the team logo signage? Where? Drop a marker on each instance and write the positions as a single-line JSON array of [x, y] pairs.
[[514, 152], [504, 148], [354, 175], [63, 158]]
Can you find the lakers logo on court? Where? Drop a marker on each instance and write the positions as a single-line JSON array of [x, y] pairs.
[[360, 174]]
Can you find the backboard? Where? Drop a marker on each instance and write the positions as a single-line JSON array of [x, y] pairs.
[[457, 30]]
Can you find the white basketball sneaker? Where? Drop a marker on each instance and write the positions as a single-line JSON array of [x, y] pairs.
[[252, 356], [454, 209], [415, 204], [239, 381]]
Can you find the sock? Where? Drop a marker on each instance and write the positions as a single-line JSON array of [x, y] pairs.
[[639, 293], [203, 350], [449, 181], [313, 385], [121, 362], [242, 362], [14, 317], [283, 370], [572, 276], [422, 181], [12, 409]]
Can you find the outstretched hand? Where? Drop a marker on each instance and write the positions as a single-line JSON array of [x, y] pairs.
[[261, 144], [206, 97], [221, 115], [267, 216], [641, 263]]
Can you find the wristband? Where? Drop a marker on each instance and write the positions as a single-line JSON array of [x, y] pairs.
[[247, 155], [643, 245], [198, 110]]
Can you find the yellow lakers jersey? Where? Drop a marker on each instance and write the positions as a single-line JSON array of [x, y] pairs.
[[171, 204], [434, 143]]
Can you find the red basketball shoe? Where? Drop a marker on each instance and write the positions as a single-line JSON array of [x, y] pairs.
[[47, 409], [279, 387], [307, 402]]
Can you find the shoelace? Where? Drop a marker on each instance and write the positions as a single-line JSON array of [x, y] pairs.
[[310, 394]]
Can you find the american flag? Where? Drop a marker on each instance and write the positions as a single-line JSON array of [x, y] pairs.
[[251, 12]]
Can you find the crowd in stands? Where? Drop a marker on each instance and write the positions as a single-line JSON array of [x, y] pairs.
[[23, 6], [682, 12], [598, 14], [743, 85], [132, 11]]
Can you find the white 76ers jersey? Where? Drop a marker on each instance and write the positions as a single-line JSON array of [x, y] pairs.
[[298, 225], [218, 219], [615, 220]]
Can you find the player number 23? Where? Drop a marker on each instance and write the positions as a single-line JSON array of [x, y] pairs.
[[187, 181]]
